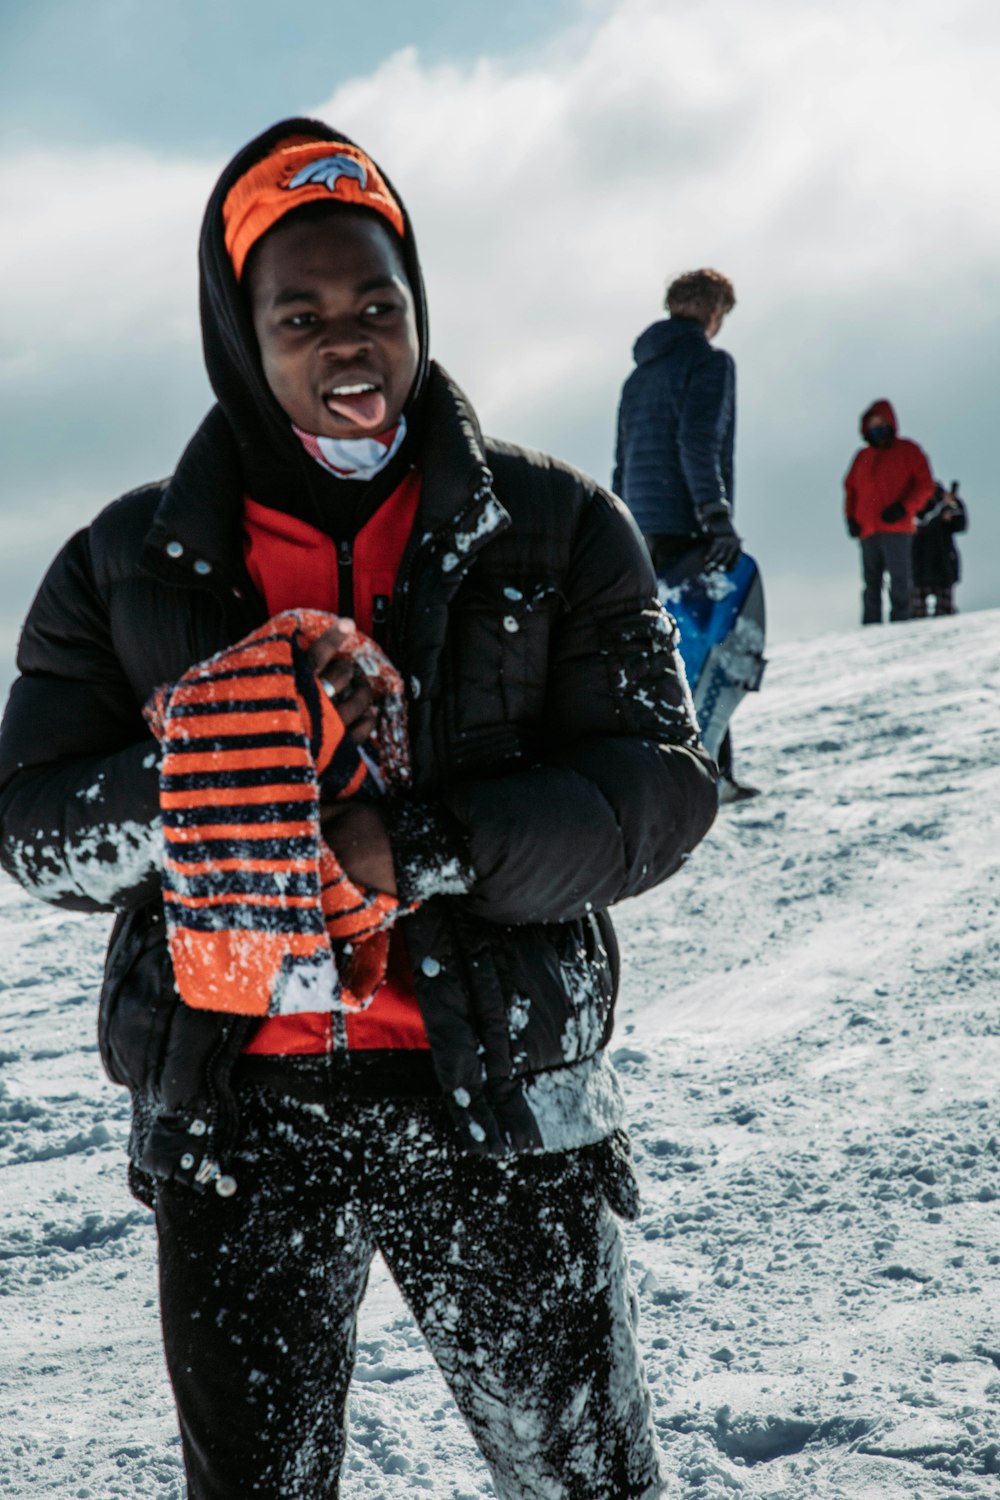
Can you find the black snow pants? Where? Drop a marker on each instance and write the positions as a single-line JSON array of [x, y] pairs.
[[514, 1271], [886, 552]]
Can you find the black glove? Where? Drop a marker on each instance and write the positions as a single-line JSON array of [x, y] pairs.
[[894, 512], [853, 528], [724, 545]]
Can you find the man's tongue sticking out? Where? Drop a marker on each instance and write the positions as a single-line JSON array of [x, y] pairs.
[[364, 406]]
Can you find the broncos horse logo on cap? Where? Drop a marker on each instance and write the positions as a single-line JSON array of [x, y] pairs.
[[296, 173], [328, 170]]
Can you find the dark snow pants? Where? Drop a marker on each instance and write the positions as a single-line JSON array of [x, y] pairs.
[[886, 552], [514, 1271]]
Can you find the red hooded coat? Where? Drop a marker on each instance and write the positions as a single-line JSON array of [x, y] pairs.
[[880, 476]]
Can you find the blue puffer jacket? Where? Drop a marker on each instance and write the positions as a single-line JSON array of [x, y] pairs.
[[676, 424]]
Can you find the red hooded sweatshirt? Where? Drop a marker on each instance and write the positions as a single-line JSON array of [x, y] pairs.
[[879, 477]]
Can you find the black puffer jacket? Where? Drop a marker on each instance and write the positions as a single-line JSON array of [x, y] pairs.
[[554, 753]]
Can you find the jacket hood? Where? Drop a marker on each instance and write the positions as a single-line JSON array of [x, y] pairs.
[[661, 336], [879, 411], [276, 469]]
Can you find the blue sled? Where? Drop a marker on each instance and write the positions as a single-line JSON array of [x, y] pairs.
[[721, 621]]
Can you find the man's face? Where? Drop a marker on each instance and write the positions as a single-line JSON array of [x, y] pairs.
[[878, 433], [334, 317]]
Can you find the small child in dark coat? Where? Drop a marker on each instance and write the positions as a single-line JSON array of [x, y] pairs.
[[936, 564]]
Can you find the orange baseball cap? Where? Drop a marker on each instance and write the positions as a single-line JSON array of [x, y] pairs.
[[301, 171]]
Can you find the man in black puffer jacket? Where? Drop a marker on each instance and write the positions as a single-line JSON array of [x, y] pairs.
[[468, 1123]]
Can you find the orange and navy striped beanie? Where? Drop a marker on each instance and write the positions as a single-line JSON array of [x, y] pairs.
[[261, 918], [298, 171]]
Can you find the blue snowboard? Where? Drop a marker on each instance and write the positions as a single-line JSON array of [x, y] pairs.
[[721, 621]]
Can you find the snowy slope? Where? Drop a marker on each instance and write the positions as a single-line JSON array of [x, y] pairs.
[[809, 1039]]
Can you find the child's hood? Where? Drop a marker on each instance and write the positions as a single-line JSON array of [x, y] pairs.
[[879, 411]]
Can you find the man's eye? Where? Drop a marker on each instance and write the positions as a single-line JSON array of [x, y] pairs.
[[379, 309], [301, 320]]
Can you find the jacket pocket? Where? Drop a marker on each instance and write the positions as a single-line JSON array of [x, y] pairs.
[[585, 966], [137, 997], [559, 981], [498, 648]]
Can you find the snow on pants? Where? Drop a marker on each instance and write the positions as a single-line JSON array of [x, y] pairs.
[[886, 552], [514, 1271]]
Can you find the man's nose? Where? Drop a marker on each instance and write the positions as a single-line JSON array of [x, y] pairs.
[[342, 338]]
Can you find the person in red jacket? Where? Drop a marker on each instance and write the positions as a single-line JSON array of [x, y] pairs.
[[888, 484]]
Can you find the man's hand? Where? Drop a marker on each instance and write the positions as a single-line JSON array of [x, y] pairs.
[[853, 527], [894, 512], [724, 545], [357, 836], [341, 679]]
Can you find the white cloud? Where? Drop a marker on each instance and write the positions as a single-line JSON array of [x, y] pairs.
[[812, 149], [101, 254], [834, 158]]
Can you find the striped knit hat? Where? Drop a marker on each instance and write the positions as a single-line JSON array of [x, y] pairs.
[[261, 918]]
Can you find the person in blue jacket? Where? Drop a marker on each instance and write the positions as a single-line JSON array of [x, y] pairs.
[[674, 454]]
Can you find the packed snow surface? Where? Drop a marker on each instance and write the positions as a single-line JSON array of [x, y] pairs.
[[809, 1043]]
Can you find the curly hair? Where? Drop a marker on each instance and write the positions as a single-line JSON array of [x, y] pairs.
[[699, 295]]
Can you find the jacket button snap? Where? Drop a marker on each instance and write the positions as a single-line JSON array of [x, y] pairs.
[[509, 623], [202, 567], [225, 1186], [175, 549], [197, 1127], [187, 1161], [430, 967]]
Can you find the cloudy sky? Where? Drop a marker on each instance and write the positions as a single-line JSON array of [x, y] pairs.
[[837, 158]]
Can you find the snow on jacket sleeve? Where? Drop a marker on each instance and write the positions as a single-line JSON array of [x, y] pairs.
[[703, 434], [625, 789], [79, 814]]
